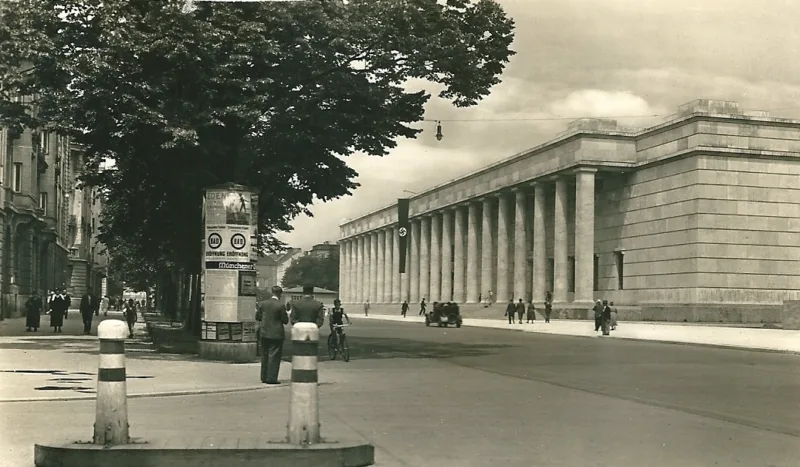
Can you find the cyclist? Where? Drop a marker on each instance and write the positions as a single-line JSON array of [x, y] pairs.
[[336, 315]]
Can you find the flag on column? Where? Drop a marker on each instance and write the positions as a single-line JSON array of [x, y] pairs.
[[403, 230]]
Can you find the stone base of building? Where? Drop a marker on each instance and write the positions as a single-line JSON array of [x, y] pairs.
[[13, 305], [233, 352], [790, 316]]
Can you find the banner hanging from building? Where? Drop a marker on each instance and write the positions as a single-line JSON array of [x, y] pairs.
[[403, 230]]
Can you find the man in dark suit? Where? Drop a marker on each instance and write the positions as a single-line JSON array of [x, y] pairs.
[[273, 316], [308, 310]]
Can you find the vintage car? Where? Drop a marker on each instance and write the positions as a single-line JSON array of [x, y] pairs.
[[444, 314]]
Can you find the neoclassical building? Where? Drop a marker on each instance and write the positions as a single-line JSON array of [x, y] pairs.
[[694, 219]]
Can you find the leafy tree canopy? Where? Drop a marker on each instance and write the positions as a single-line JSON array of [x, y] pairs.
[[269, 95], [319, 271]]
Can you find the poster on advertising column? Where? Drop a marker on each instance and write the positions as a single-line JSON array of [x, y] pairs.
[[231, 212]]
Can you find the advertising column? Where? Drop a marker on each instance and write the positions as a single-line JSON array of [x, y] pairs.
[[229, 274]]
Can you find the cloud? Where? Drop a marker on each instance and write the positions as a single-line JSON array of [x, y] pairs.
[[584, 58]]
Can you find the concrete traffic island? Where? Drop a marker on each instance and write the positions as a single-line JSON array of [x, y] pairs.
[[112, 445]]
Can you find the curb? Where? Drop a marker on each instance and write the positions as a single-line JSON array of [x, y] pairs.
[[662, 341], [191, 392], [694, 344]]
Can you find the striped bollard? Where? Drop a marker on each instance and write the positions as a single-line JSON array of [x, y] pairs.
[[304, 398], [111, 420]]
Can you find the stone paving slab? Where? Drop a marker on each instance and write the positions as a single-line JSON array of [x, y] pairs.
[[738, 337]]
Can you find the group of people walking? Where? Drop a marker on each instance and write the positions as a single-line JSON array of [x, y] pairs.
[[58, 303], [521, 309], [605, 316]]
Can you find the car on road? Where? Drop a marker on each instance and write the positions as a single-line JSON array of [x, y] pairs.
[[444, 314]]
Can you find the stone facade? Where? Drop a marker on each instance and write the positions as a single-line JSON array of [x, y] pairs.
[[38, 174], [694, 219]]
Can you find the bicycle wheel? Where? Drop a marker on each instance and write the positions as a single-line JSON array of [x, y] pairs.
[[332, 346], [345, 349]]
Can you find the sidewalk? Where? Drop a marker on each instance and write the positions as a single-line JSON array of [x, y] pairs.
[[684, 333], [47, 366]]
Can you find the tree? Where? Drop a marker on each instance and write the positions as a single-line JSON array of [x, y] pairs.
[[269, 95], [319, 271]]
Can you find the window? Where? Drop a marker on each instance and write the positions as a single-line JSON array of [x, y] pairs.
[[45, 143], [620, 259], [43, 203], [16, 183]]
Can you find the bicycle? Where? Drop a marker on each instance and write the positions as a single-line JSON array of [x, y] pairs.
[[338, 345]]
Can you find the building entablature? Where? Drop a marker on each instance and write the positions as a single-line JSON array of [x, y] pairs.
[[599, 144]]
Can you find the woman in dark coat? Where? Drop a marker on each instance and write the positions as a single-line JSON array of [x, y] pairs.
[[58, 308], [33, 315]]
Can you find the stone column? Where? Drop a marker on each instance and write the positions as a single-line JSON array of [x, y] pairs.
[[503, 244], [436, 258], [342, 270], [413, 292], [539, 244], [396, 266], [520, 246], [387, 265], [446, 294], [560, 256], [584, 235], [425, 258], [459, 255], [373, 267], [486, 250], [380, 265], [360, 265], [473, 254], [350, 267]]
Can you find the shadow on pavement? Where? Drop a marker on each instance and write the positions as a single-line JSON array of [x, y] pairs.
[[137, 349]]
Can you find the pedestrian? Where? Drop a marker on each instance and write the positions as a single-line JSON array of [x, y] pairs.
[[404, 308], [272, 334], [86, 309], [131, 317], [510, 311], [531, 312], [423, 307], [548, 306], [96, 304], [307, 309], [58, 309], [520, 310], [33, 313], [104, 303], [366, 308], [606, 318], [598, 315], [613, 316], [67, 300]]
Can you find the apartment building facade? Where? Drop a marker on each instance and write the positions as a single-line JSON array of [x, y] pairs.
[[47, 222]]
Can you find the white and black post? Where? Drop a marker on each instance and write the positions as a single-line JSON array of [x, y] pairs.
[[304, 398], [111, 421]]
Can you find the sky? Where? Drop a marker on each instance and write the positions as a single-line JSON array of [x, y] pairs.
[[585, 58]]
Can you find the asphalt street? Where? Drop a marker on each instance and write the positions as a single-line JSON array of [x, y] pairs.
[[483, 397]]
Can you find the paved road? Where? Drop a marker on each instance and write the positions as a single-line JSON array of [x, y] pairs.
[[481, 397]]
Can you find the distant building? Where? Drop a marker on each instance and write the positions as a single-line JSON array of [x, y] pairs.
[[324, 249], [324, 295], [271, 268]]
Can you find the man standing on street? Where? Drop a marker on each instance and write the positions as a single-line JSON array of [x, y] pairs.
[[87, 308], [307, 310], [273, 316]]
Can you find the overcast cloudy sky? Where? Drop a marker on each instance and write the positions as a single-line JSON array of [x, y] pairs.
[[588, 58]]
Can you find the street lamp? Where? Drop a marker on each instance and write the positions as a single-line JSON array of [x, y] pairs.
[[439, 135]]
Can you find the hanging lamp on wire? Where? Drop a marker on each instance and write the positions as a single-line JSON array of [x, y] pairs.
[[439, 134]]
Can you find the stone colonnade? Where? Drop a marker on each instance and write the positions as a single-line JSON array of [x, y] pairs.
[[450, 254]]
